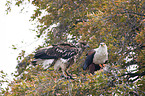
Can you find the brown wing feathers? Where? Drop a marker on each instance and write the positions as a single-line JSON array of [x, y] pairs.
[[47, 53], [64, 51], [89, 59]]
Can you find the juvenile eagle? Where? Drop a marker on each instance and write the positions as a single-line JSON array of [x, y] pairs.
[[95, 57], [63, 55]]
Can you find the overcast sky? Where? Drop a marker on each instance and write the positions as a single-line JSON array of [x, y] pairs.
[[15, 29]]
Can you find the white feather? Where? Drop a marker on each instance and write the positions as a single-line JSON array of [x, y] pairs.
[[45, 62], [101, 54], [60, 63]]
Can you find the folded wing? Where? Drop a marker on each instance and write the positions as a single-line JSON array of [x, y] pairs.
[[64, 51], [89, 59]]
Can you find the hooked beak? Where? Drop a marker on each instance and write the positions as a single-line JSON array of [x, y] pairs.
[[102, 45]]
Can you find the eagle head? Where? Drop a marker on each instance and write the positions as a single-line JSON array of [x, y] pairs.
[[103, 45]]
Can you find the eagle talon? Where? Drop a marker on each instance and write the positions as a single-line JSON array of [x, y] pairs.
[[67, 77]]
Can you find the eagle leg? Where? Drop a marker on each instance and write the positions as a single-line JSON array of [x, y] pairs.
[[70, 77], [66, 75]]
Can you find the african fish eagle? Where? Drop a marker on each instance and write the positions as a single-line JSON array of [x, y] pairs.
[[63, 54], [95, 57]]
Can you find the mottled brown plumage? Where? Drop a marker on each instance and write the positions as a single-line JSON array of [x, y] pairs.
[[64, 56], [64, 51]]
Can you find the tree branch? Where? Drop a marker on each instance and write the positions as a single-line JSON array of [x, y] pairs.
[[135, 74], [133, 13]]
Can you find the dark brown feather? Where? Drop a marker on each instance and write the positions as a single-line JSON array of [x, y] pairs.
[[94, 67], [90, 52], [89, 59], [64, 51]]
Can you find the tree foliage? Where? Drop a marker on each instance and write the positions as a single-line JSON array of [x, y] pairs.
[[118, 23]]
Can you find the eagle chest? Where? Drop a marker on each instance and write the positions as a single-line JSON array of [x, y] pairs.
[[99, 57]]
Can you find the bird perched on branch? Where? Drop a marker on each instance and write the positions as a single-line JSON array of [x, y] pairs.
[[63, 55], [95, 57]]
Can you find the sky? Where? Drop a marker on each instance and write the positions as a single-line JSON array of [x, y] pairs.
[[15, 29]]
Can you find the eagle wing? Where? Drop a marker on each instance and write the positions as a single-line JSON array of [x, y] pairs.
[[89, 59], [64, 51]]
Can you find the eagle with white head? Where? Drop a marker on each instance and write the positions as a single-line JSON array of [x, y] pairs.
[[95, 57]]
